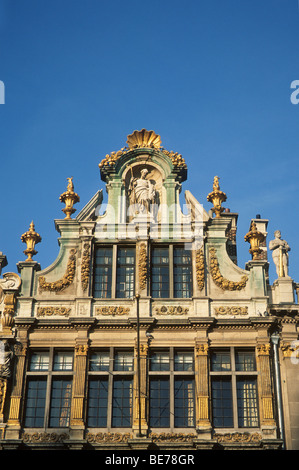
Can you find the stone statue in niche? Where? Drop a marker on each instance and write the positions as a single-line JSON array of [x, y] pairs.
[[142, 193], [280, 249], [6, 356]]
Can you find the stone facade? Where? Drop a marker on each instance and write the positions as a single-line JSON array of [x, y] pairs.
[[144, 332]]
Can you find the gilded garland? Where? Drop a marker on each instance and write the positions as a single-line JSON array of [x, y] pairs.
[[65, 281], [142, 265], [200, 269], [219, 280], [85, 266]]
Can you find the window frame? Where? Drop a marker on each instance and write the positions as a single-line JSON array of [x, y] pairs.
[[171, 270], [114, 275], [49, 375], [111, 375], [172, 375], [234, 375]]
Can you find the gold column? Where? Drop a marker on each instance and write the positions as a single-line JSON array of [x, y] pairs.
[[265, 388], [202, 385], [143, 389], [20, 350], [77, 408]]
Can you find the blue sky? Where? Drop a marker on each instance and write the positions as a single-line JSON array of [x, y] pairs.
[[212, 77]]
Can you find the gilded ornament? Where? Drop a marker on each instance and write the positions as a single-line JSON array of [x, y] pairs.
[[65, 281], [217, 197], [31, 238], [108, 437], [49, 311], [219, 280], [238, 437], [69, 198], [200, 268], [176, 158], [44, 437], [254, 237], [172, 437], [142, 265], [171, 310], [111, 310], [231, 310], [85, 266], [143, 138], [263, 349]]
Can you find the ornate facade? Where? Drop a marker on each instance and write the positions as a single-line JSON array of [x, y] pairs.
[[145, 333]]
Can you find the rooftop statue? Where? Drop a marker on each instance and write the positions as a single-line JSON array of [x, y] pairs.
[[280, 249]]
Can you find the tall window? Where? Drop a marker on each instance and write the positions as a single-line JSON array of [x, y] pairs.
[[103, 272], [171, 389], [48, 389], [125, 274], [114, 272], [171, 272], [234, 388], [110, 388]]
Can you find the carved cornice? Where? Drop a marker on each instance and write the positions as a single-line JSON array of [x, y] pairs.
[[219, 280], [65, 281]]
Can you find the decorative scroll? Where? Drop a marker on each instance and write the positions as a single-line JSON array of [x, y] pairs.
[[65, 281], [44, 437], [142, 265], [200, 269], [172, 437], [108, 437], [85, 266], [49, 311], [238, 437], [172, 310], [231, 311], [219, 280], [112, 310]]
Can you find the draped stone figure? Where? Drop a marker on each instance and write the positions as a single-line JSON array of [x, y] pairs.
[[280, 255], [142, 193]]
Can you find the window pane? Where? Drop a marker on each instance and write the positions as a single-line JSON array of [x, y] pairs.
[[39, 360], [220, 360], [245, 361], [122, 402], [159, 360], [99, 361], [247, 402], [182, 279], [125, 274], [123, 360], [160, 272], [183, 360], [35, 403], [97, 402], [222, 402], [63, 360], [184, 402], [103, 273], [159, 402], [60, 402]]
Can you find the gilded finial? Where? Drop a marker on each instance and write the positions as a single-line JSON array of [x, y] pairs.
[[31, 238], [69, 198], [217, 197], [254, 237]]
